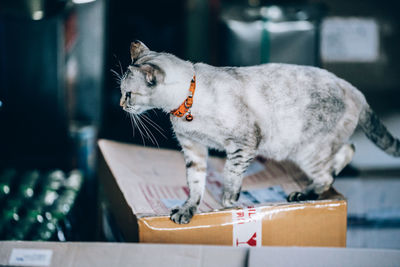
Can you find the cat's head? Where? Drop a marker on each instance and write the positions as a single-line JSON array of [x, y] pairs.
[[140, 81], [154, 80]]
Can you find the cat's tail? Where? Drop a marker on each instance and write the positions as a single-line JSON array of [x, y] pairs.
[[377, 132]]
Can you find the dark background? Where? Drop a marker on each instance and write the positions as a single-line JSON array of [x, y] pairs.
[[58, 95], [41, 100]]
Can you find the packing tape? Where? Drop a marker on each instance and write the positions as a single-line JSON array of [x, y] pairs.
[[247, 227]]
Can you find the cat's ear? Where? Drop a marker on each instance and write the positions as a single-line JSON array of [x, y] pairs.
[[138, 48], [153, 74]]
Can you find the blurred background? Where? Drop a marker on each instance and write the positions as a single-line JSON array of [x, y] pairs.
[[58, 96]]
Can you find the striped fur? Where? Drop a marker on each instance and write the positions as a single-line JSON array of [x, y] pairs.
[[377, 132]]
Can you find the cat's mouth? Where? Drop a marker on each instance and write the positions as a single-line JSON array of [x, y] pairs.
[[135, 109], [130, 109]]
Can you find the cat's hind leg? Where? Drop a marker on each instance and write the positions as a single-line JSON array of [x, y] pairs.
[[314, 190], [318, 168], [195, 156], [343, 157], [237, 160]]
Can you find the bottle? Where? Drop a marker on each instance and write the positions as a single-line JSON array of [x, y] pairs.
[[45, 231], [63, 205], [74, 180], [32, 212], [6, 178], [28, 183], [10, 217], [47, 197], [53, 180], [11, 208]]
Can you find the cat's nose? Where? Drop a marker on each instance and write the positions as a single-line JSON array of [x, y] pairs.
[[122, 102]]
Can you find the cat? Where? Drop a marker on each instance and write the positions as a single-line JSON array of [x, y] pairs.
[[280, 111]]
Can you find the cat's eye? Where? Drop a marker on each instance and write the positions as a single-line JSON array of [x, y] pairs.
[[127, 95]]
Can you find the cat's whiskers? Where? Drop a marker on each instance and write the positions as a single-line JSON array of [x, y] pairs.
[[135, 124], [120, 67], [132, 124], [118, 77], [154, 111], [149, 134], [144, 131], [139, 121], [153, 124]]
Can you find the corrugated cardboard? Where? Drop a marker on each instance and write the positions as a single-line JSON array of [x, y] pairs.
[[77, 254], [138, 180], [327, 257]]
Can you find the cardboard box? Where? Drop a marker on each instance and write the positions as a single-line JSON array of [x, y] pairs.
[[327, 257], [66, 254], [77, 254], [142, 184]]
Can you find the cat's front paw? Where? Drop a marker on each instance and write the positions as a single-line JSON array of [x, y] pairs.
[[183, 215], [299, 196], [229, 199]]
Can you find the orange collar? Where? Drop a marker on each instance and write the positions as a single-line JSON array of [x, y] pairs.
[[187, 104]]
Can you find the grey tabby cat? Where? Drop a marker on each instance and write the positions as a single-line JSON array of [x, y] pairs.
[[280, 111]]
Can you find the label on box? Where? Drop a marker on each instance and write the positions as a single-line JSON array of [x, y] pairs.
[[247, 227], [254, 168], [172, 203], [249, 197], [349, 40], [262, 195], [30, 257]]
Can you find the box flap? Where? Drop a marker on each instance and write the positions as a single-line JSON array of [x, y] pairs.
[[153, 180], [146, 176]]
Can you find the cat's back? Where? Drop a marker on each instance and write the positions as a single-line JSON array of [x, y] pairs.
[[282, 73], [273, 75], [270, 72], [276, 83], [296, 82], [307, 82]]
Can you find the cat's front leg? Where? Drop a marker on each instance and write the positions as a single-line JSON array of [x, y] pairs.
[[237, 161], [195, 156]]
